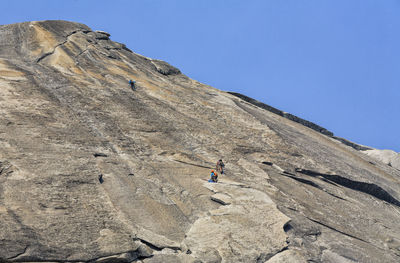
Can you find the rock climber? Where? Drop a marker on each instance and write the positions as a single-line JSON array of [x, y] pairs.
[[132, 83], [220, 166], [214, 177]]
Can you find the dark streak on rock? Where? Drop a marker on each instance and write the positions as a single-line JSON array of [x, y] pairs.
[[155, 247], [327, 181], [101, 180], [287, 227], [336, 196], [267, 163], [305, 181], [336, 230], [79, 182], [301, 180], [198, 165], [367, 188], [18, 255], [100, 155], [311, 183], [219, 201], [286, 172]]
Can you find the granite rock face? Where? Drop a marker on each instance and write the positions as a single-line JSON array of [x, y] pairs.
[[388, 157], [91, 171], [304, 122]]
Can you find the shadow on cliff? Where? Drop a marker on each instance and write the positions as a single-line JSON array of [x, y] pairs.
[[367, 188]]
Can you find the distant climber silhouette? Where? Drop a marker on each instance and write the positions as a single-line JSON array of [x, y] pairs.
[[220, 166], [132, 83], [101, 180]]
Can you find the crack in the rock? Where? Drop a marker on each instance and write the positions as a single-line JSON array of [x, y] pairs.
[[155, 247], [219, 201], [327, 181], [265, 257], [99, 154], [133, 253], [19, 254], [336, 230], [311, 183], [367, 188], [198, 165], [48, 54], [304, 181], [80, 53], [230, 245], [113, 48], [341, 198], [54, 49]]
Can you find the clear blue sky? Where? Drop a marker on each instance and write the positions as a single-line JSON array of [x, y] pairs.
[[333, 62]]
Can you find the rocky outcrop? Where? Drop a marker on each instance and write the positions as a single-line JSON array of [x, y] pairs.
[[92, 171], [165, 68], [306, 123], [224, 233], [388, 157], [289, 116], [356, 146]]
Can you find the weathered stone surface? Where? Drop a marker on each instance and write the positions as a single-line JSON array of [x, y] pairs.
[[286, 256], [165, 68], [388, 157], [330, 257], [100, 32], [284, 114], [223, 233], [6, 169], [222, 199], [304, 122], [121, 258], [68, 115], [356, 146]]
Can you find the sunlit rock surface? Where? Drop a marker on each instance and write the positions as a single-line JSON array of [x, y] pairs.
[[388, 157], [91, 170]]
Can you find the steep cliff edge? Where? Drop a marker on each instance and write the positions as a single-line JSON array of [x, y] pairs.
[[67, 116]]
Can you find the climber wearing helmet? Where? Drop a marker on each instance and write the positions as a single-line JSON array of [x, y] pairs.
[[214, 177]]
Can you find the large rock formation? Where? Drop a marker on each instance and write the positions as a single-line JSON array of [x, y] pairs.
[[91, 171]]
